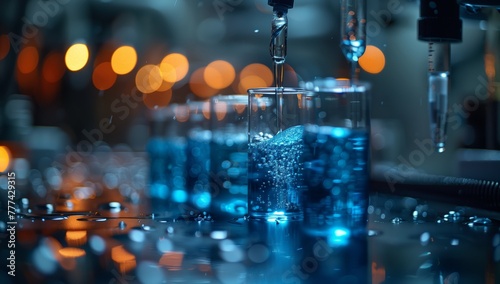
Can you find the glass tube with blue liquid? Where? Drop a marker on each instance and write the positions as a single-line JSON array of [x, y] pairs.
[[336, 158], [275, 147]]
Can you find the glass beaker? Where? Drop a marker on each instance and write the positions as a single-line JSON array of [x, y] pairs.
[[275, 147], [336, 158]]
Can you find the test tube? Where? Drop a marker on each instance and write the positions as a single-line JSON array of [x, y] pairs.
[[353, 32], [438, 74]]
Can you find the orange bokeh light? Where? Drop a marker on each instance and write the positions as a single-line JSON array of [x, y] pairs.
[[76, 56], [123, 259], [5, 158], [157, 99], [198, 85], [373, 60], [148, 79], [220, 110], [4, 46], [253, 76], [53, 67], [124, 59], [171, 260], [27, 61], [71, 252], [76, 238], [175, 67], [219, 74], [103, 76]]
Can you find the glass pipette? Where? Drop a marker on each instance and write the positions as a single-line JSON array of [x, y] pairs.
[[353, 32], [278, 48], [438, 73]]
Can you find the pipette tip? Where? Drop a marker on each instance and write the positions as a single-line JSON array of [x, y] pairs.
[[440, 147]]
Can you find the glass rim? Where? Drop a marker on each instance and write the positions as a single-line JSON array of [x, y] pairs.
[[231, 97], [335, 85], [272, 91]]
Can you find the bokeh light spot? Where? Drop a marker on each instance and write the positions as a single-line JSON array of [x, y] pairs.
[[103, 76], [157, 99], [219, 74], [27, 60], [253, 76], [71, 252], [53, 67], [373, 60], [148, 79], [179, 63], [198, 85], [4, 158], [76, 56], [124, 60]]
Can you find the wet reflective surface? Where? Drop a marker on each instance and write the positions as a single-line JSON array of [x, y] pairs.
[[92, 233]]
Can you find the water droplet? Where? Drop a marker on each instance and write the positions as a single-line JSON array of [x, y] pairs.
[[146, 228], [170, 230], [45, 207], [453, 216], [424, 238], [52, 217], [479, 223], [218, 235], [112, 206], [373, 233], [93, 219], [163, 220], [397, 220], [426, 265], [122, 225]]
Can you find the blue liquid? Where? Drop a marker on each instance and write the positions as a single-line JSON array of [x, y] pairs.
[[167, 183], [336, 175], [228, 174], [167, 161], [197, 171], [275, 175], [353, 49]]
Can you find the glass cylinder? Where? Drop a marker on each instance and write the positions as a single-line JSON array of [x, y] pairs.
[[167, 159], [228, 156], [275, 129], [336, 158]]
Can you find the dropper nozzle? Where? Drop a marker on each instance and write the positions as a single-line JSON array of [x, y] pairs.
[[277, 48]]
